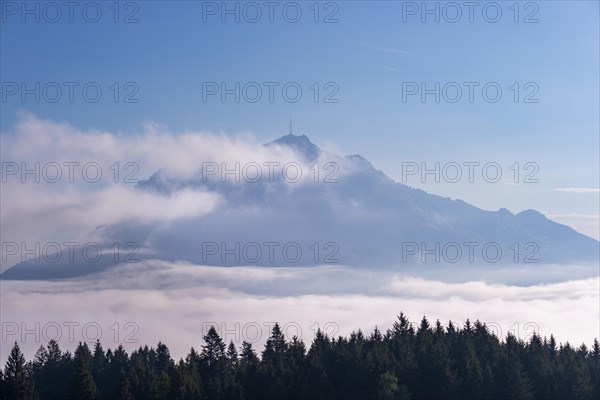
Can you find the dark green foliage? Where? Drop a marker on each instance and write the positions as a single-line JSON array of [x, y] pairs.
[[403, 363], [82, 383], [249, 370], [52, 371], [213, 364], [16, 379]]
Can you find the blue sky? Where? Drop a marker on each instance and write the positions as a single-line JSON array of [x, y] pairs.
[[369, 54]]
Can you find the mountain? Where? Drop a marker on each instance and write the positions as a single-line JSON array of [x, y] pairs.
[[301, 144], [349, 213]]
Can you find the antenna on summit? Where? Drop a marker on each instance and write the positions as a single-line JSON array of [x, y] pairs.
[[290, 125]]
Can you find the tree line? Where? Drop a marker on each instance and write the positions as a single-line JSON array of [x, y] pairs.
[[429, 362]]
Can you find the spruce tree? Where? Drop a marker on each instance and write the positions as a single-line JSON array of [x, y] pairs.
[[213, 351], [3, 387], [187, 381], [18, 383], [232, 356], [249, 367], [124, 393], [273, 358], [213, 363], [82, 384]]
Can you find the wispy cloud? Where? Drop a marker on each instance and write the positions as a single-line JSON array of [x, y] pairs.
[[578, 190], [571, 215], [393, 69], [393, 50], [386, 49]]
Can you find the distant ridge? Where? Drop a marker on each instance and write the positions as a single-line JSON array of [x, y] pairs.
[[367, 216]]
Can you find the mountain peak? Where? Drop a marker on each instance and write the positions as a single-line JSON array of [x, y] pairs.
[[504, 211], [300, 143], [532, 215]]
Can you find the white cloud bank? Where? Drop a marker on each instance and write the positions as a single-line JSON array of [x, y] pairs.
[[67, 199], [176, 303]]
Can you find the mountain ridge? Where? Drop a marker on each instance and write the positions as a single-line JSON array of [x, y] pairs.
[[368, 216]]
